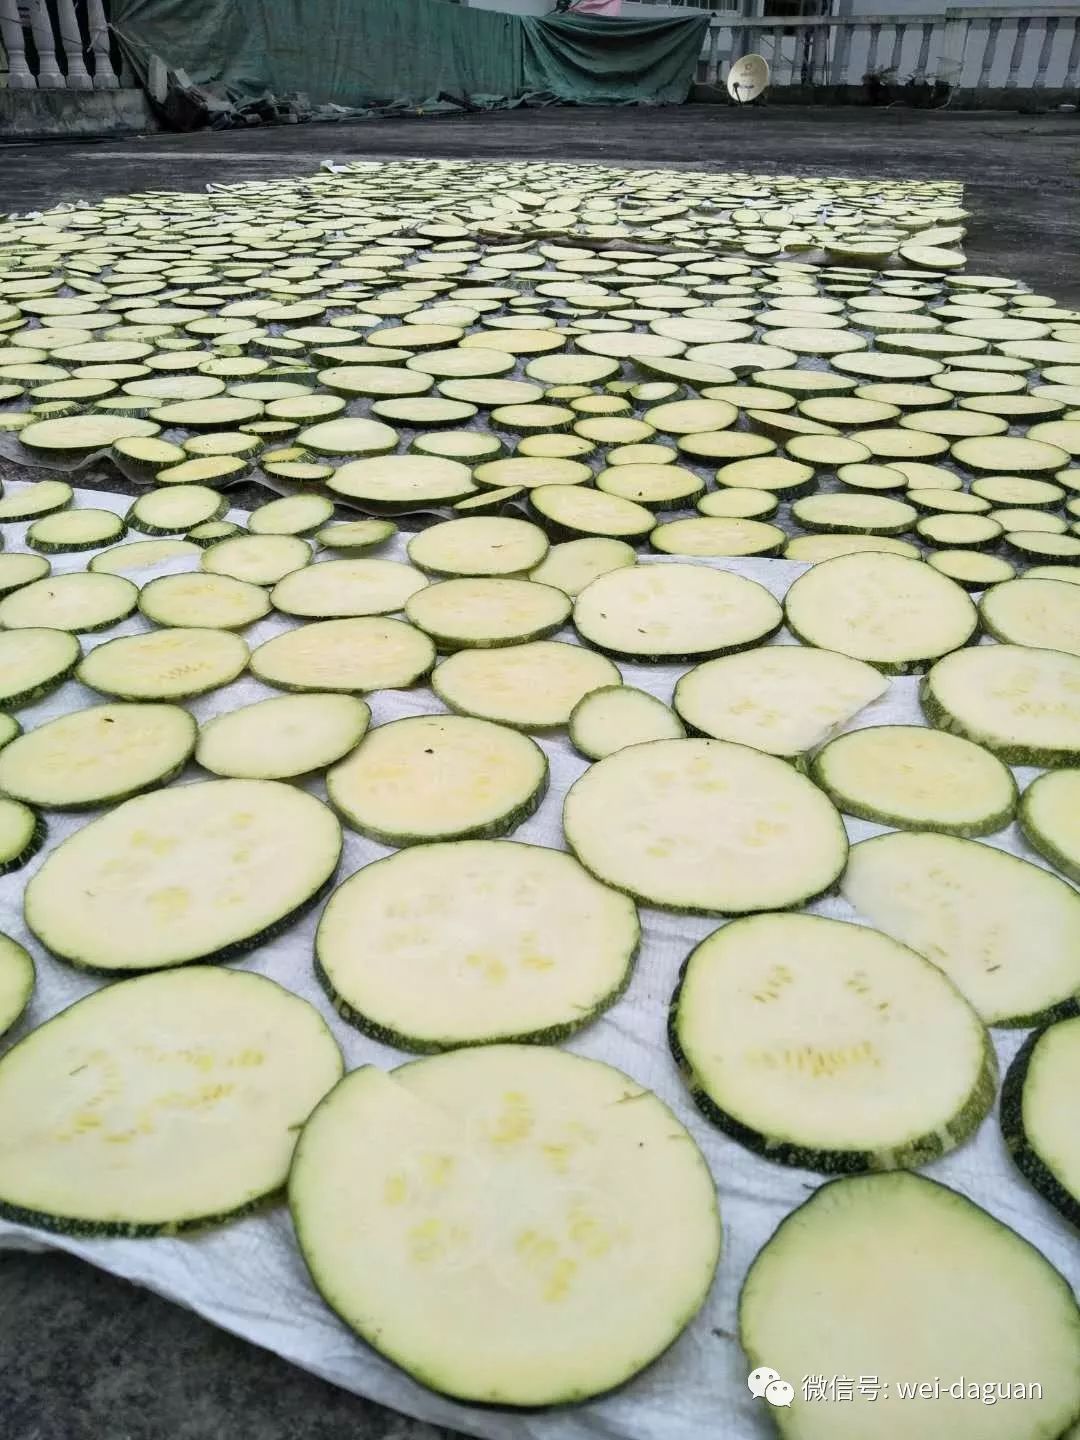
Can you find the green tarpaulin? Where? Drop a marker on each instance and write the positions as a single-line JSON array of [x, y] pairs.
[[594, 61], [367, 52]]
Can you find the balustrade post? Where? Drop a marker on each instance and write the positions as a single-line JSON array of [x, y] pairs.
[[49, 76], [1017, 57], [104, 74], [11, 34], [77, 76]]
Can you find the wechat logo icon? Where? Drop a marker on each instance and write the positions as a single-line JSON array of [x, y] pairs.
[[765, 1384]]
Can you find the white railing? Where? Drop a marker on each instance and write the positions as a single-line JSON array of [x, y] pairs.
[[989, 48], [18, 16]]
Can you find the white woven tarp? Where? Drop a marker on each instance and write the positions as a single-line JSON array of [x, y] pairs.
[[248, 1277]]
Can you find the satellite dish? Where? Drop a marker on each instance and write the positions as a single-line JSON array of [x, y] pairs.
[[748, 78]]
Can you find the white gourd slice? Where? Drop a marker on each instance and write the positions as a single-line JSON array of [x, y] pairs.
[[971, 568], [531, 687], [69, 602], [33, 661], [1022, 520], [176, 509], [1049, 817], [571, 511], [83, 434], [70, 530], [972, 910], [725, 446], [772, 473], [97, 756], [215, 602], [338, 588], [734, 503], [1069, 573], [17, 978], [17, 569], [22, 834], [474, 1322], [768, 1005], [529, 946], [479, 545], [351, 655], [657, 487], [349, 435], [843, 513], [291, 515], [395, 483], [487, 611], [136, 555], [215, 878], [1042, 614], [174, 664], [783, 699], [913, 778], [356, 534], [1008, 455], [971, 531], [1035, 1117], [576, 563], [892, 612], [618, 716], [204, 1111], [913, 1278], [439, 777], [674, 612], [1038, 545], [705, 827], [258, 559], [712, 536], [531, 471], [812, 549], [283, 738]]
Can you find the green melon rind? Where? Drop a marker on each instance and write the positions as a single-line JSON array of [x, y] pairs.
[[915, 1153], [30, 849], [887, 667], [44, 687], [1017, 1141], [30, 980], [1065, 864]]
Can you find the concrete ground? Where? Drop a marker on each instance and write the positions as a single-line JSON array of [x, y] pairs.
[[84, 1356]]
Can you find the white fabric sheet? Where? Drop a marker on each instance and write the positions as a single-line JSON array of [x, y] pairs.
[[248, 1277]]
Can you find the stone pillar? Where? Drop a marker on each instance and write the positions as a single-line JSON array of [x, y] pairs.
[[11, 34], [77, 76], [104, 74], [49, 74]]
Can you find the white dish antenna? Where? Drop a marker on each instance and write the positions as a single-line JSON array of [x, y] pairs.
[[748, 78]]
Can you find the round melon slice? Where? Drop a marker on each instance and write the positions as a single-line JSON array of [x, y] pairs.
[[175, 1100], [674, 612], [912, 1278], [531, 687], [771, 1005], [895, 613], [439, 777], [17, 977], [1020, 703], [197, 872], [472, 1134], [97, 756], [705, 827], [973, 909]]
